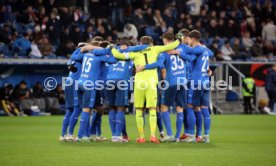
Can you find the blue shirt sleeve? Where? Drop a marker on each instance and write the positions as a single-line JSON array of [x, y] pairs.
[[195, 50], [187, 57], [98, 52], [136, 48], [108, 59], [210, 52], [158, 64], [77, 55]]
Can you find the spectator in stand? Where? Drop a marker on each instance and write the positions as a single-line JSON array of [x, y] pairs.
[[53, 29], [247, 43], [194, 7], [22, 46], [213, 28], [38, 91], [239, 53], [138, 19], [157, 18], [59, 94], [21, 97], [88, 34], [6, 102], [131, 31], [269, 32], [230, 29], [46, 48], [117, 13], [76, 35], [168, 17], [65, 16], [220, 19], [257, 49], [227, 51], [6, 15], [148, 17], [270, 86]]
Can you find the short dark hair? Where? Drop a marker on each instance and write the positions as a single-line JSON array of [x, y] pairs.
[[98, 38], [146, 40], [186, 32], [168, 35], [23, 82], [104, 44], [195, 34], [124, 41]]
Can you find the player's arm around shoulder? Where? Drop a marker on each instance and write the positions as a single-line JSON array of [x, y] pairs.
[[171, 46], [123, 56], [158, 64]]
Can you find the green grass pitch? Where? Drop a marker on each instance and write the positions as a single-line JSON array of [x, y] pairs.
[[235, 140]]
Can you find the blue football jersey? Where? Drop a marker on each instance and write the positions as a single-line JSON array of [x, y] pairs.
[[199, 72], [92, 66], [77, 58], [175, 67], [122, 70]]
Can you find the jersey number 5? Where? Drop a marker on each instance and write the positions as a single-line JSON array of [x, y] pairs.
[[177, 63]]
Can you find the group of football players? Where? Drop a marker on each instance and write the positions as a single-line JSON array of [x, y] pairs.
[[100, 78]]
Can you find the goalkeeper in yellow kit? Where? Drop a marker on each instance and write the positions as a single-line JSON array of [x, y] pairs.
[[145, 86]]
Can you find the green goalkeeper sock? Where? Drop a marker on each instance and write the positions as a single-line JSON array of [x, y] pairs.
[[140, 122], [152, 121]]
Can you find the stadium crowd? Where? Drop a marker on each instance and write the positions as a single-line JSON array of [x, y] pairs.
[[234, 30]]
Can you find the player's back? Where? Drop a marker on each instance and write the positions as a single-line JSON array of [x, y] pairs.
[[146, 56], [175, 68], [91, 67], [121, 70], [200, 67]]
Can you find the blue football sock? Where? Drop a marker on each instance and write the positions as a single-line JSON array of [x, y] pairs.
[[198, 116], [112, 121], [99, 126], [88, 131], [159, 122], [167, 122], [74, 119], [95, 118], [179, 122], [124, 131], [65, 122], [191, 120], [119, 122], [207, 120], [83, 123], [185, 122]]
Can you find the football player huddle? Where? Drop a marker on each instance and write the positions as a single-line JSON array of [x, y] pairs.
[[103, 75]]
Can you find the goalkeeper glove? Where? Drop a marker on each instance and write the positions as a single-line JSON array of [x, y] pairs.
[[71, 66], [179, 36]]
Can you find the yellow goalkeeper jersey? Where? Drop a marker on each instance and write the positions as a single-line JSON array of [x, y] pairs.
[[144, 57]]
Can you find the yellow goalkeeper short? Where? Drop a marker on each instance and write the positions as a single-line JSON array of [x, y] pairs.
[[145, 92]]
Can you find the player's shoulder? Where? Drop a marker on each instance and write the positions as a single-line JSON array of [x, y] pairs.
[[163, 55]]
